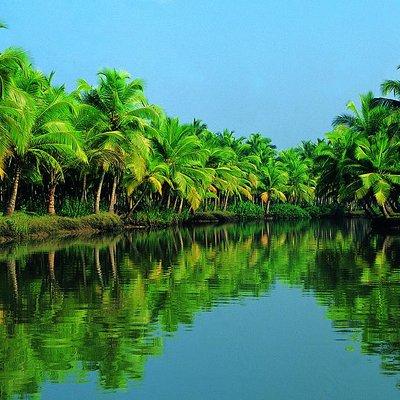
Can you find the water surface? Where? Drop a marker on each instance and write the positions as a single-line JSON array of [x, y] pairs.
[[278, 311]]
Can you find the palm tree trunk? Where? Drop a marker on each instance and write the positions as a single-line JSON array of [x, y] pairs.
[[12, 272], [385, 212], [168, 200], [14, 192], [226, 202], [84, 185], [181, 206], [51, 196], [267, 207], [98, 193], [136, 204], [113, 198]]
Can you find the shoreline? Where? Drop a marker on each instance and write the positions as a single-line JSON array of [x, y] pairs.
[[27, 227]]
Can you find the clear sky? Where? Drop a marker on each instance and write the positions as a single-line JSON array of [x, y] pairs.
[[284, 68]]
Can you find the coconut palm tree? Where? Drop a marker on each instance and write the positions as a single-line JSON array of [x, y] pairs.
[[12, 61], [261, 146], [182, 151], [152, 179], [126, 116], [300, 186], [274, 180], [367, 120], [379, 159], [37, 131]]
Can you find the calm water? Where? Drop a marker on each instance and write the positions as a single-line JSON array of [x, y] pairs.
[[279, 311]]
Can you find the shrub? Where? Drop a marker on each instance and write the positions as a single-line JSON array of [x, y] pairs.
[[102, 221], [247, 210], [288, 211], [325, 210], [76, 208], [157, 217]]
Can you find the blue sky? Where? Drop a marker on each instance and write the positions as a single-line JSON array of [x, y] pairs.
[[282, 68]]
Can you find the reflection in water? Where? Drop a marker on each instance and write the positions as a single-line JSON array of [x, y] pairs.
[[105, 304]]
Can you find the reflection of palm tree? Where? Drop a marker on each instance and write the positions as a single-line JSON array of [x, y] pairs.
[[12, 273], [51, 262], [97, 264]]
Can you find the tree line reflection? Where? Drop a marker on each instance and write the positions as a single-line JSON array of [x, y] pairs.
[[105, 304]]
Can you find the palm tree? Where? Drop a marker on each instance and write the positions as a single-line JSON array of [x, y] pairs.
[[12, 61], [379, 160], [367, 120], [261, 146], [274, 180], [334, 159], [126, 116], [182, 151], [37, 131], [152, 179], [300, 186]]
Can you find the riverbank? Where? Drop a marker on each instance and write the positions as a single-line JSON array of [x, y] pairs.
[[22, 226]]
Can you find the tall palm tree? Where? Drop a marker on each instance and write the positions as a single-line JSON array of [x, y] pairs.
[[300, 186], [274, 180], [38, 134], [379, 160], [12, 61], [182, 151], [261, 146], [368, 119], [126, 115]]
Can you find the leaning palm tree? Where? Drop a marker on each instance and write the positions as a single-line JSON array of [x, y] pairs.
[[151, 180]]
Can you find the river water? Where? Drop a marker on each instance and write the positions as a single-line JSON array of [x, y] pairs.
[[298, 310]]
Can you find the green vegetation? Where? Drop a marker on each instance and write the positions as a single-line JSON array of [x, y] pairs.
[[21, 225], [106, 148]]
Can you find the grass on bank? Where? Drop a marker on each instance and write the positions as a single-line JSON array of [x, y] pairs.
[[22, 225]]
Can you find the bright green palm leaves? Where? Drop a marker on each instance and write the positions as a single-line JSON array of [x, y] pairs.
[[124, 115], [182, 152], [300, 185], [378, 157], [360, 159], [274, 180], [36, 126]]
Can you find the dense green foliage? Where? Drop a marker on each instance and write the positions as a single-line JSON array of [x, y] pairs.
[[70, 308], [106, 148]]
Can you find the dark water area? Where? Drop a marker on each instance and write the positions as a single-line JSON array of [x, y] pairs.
[[297, 310]]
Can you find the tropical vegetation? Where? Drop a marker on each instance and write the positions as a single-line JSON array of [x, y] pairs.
[[105, 147]]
